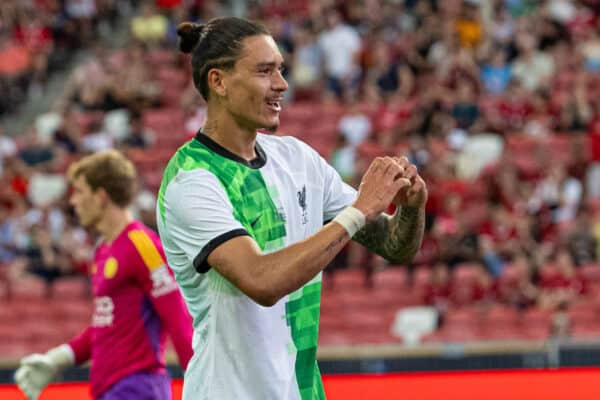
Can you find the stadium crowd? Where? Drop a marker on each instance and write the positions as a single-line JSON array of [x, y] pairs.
[[495, 101]]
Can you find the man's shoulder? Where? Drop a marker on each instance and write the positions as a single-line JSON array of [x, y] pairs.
[[283, 144], [145, 242]]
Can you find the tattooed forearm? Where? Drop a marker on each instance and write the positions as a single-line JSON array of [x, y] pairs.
[[336, 245], [396, 238]]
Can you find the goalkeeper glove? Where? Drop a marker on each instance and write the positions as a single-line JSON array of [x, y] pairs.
[[37, 370]]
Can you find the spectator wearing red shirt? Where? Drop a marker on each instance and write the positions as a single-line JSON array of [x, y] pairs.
[[515, 287], [560, 283], [512, 109], [484, 290], [593, 172], [437, 292]]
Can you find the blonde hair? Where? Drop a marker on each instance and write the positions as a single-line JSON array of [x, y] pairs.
[[109, 170]]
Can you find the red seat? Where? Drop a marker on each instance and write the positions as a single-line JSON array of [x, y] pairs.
[[71, 287], [27, 289], [349, 278], [586, 331], [591, 272], [393, 277], [422, 276], [465, 273]]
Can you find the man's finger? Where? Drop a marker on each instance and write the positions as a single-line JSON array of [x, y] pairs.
[[33, 359], [403, 161], [410, 172], [401, 182], [416, 187], [394, 169]]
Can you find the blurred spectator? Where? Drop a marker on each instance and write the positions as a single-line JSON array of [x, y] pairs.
[[354, 125], [343, 159], [37, 151], [97, 139], [469, 25], [465, 110], [515, 287], [138, 136], [307, 59], [150, 26], [559, 193], [590, 50], [581, 241], [438, 290], [340, 44], [483, 292], [43, 258], [83, 13], [68, 134], [89, 85], [132, 85], [532, 67], [560, 283], [497, 73]]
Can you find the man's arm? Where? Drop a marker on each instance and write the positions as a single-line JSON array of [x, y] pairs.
[[158, 284], [82, 346], [266, 278], [397, 237]]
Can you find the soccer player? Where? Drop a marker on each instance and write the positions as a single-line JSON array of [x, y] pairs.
[[248, 221], [136, 299]]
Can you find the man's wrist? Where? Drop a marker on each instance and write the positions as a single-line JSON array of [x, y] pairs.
[[351, 219], [61, 357]]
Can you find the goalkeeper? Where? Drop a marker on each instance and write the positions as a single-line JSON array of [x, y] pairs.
[[136, 299]]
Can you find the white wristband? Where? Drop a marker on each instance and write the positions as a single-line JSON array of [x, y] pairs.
[[351, 219]]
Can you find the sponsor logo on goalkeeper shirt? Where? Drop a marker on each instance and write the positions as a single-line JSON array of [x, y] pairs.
[[162, 281], [103, 312]]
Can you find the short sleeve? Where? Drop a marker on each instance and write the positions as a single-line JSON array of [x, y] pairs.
[[337, 195], [198, 216]]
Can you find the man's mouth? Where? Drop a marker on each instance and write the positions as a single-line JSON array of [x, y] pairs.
[[274, 104]]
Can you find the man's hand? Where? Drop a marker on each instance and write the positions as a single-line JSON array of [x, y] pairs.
[[37, 370], [380, 184], [415, 194]]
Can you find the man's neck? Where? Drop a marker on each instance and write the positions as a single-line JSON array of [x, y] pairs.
[[225, 131], [114, 222]]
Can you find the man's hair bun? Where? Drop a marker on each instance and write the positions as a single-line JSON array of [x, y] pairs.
[[189, 35]]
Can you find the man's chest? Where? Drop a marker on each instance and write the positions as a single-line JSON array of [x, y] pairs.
[[109, 272]]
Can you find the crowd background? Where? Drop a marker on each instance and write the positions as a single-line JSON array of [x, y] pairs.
[[495, 101]]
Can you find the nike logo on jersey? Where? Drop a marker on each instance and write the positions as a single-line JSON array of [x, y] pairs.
[[253, 223]]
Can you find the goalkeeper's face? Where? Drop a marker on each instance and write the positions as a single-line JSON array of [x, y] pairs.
[[89, 205]]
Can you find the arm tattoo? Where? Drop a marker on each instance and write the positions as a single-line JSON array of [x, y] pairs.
[[334, 246], [397, 237]]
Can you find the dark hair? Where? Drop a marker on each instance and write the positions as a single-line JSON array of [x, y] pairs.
[[109, 170], [216, 44]]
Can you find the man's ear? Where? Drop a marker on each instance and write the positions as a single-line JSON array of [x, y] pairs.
[[216, 81], [105, 198]]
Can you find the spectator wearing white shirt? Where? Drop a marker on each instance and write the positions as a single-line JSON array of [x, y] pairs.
[[533, 68], [340, 44]]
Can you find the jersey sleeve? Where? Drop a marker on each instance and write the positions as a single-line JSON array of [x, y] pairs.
[[199, 216], [158, 283], [338, 194], [82, 346]]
